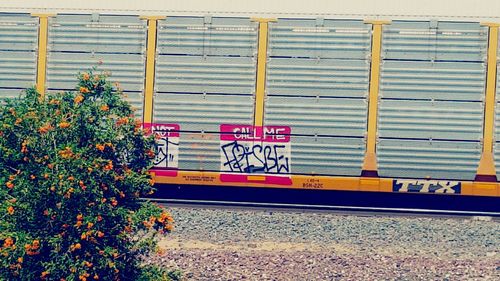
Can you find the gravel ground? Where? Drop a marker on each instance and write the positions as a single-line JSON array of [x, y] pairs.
[[222, 244]]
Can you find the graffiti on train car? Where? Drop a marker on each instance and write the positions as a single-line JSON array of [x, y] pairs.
[[166, 161], [426, 186], [255, 150]]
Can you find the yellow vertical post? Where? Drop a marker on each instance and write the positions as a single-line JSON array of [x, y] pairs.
[[41, 71], [370, 161], [150, 67], [260, 86], [486, 168]]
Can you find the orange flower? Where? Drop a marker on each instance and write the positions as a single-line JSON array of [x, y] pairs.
[[64, 125], [99, 218], [45, 129], [44, 274], [100, 234], [89, 225], [54, 101], [84, 90], [66, 153], [71, 178], [78, 99], [96, 277], [83, 236], [151, 182], [50, 166], [100, 147], [79, 217], [108, 166], [8, 242], [150, 153], [10, 210], [122, 121], [77, 246], [36, 244], [85, 76], [104, 108], [114, 202], [9, 185], [24, 148], [32, 177], [20, 260]]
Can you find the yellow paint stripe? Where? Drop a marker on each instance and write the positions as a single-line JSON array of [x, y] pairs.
[[260, 87], [41, 71], [489, 108], [150, 68], [370, 161], [487, 164], [256, 178], [320, 183]]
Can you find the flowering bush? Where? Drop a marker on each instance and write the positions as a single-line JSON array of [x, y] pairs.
[[73, 167]]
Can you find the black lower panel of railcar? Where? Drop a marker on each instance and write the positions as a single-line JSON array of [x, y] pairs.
[[348, 200]]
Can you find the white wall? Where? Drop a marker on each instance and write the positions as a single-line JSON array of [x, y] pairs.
[[463, 10]]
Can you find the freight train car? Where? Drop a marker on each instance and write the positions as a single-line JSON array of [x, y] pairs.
[[381, 98]]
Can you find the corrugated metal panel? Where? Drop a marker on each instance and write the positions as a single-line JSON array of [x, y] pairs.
[[431, 120], [423, 159], [433, 40], [438, 80], [18, 32], [97, 33], [10, 93], [136, 100], [223, 75], [318, 116], [496, 153], [198, 112], [18, 44], [17, 69], [207, 36], [319, 38], [127, 69], [327, 156], [199, 152], [317, 77]]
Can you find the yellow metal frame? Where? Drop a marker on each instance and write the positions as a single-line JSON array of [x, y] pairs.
[[320, 183], [487, 164], [260, 87], [41, 71], [370, 161], [150, 67]]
